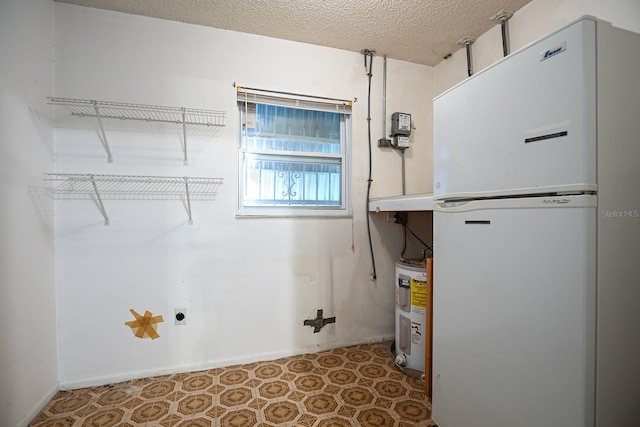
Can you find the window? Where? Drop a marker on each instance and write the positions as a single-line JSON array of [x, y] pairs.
[[293, 155]]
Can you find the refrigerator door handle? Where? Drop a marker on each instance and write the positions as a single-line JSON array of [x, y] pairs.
[[544, 202], [545, 136], [477, 221]]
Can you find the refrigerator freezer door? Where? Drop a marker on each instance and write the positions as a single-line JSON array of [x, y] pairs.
[[525, 125], [514, 313]]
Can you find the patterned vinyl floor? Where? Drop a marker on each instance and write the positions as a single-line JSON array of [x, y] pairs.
[[355, 386]]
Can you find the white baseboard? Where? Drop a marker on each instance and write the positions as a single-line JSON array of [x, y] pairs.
[[35, 411], [127, 376]]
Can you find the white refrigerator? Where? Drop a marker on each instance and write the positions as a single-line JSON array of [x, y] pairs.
[[536, 317]]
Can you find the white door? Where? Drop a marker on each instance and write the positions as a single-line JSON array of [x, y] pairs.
[[514, 313], [525, 125]]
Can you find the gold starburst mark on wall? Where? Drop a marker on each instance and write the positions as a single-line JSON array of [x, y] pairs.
[[144, 326]]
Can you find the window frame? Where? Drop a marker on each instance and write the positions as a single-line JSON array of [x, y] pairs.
[[343, 107]]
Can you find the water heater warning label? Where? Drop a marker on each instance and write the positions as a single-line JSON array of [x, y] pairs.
[[418, 296], [416, 333]]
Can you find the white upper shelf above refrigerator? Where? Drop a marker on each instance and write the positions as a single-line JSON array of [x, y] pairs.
[[413, 202]]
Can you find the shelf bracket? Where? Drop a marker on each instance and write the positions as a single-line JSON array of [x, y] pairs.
[[186, 186], [99, 201], [105, 144], [184, 136]]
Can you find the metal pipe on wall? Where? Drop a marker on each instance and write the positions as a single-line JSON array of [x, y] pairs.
[[384, 98], [404, 189], [384, 121], [466, 43], [505, 44], [502, 18], [467, 46]]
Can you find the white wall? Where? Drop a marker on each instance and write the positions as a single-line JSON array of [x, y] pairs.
[[247, 284], [409, 90], [28, 377], [533, 21]]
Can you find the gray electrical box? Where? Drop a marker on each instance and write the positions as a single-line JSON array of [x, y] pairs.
[[401, 142], [400, 124]]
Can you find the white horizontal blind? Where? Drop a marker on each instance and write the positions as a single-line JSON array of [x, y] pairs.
[[285, 99]]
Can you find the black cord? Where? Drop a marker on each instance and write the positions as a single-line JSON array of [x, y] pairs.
[[369, 180], [419, 239], [404, 241], [406, 227]]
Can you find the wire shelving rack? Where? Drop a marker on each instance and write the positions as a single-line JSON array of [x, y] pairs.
[[98, 188], [107, 110]]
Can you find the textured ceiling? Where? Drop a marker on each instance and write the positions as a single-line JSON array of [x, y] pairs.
[[419, 31]]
